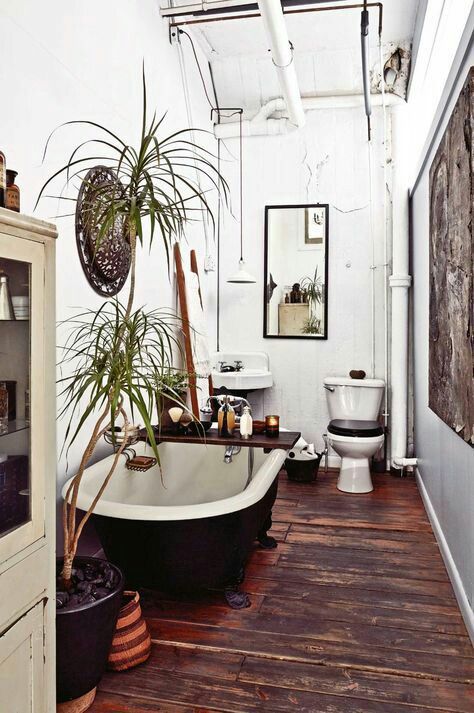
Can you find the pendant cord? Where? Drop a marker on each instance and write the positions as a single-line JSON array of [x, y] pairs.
[[218, 286], [241, 189], [226, 112]]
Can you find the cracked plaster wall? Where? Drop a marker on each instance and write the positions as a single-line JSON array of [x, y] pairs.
[[325, 162]]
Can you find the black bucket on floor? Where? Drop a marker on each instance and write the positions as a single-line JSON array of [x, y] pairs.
[[303, 471]]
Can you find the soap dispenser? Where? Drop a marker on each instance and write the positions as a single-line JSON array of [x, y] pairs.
[[246, 423]]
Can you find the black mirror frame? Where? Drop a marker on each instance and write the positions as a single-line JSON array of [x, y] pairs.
[[326, 276]]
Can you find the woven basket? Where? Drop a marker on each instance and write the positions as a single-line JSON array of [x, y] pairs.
[[131, 644]]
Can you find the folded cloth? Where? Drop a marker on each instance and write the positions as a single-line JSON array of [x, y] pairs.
[[197, 326]]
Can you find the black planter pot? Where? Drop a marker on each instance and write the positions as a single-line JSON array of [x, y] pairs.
[[83, 639]]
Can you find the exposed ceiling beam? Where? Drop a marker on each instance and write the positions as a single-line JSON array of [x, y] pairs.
[[321, 7]]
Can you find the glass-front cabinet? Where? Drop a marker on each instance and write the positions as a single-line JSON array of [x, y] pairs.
[[27, 462], [21, 359]]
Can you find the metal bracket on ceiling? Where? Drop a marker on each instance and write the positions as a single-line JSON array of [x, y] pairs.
[[283, 66], [173, 34]]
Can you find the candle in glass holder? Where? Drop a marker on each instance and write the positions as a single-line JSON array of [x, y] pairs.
[[272, 426]]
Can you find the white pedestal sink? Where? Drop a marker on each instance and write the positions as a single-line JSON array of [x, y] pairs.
[[255, 372]]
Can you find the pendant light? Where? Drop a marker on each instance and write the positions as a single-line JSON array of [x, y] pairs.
[[241, 276]]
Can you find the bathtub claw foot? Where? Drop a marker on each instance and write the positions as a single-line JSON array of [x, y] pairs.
[[267, 542], [236, 599], [264, 539]]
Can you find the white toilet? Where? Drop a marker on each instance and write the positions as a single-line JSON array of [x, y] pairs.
[[354, 432]]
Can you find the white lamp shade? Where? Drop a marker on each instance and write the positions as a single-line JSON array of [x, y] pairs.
[[242, 275]]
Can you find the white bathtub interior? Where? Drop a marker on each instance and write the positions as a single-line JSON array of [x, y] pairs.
[[194, 482]]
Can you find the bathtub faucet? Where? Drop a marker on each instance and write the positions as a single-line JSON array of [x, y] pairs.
[[230, 451], [129, 453]]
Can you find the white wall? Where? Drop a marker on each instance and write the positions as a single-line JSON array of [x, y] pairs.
[[326, 162], [83, 60], [446, 463]]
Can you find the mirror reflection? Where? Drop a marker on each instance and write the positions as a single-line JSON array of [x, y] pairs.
[[295, 304]]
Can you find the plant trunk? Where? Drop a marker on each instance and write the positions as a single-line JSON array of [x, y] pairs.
[[133, 254], [66, 574], [73, 530]]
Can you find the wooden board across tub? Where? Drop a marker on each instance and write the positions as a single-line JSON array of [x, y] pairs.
[[286, 439]]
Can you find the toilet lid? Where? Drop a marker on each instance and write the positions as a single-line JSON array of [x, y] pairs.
[[359, 429]]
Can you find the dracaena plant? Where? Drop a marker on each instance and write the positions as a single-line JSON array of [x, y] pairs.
[[116, 353], [163, 182], [313, 287], [114, 360]]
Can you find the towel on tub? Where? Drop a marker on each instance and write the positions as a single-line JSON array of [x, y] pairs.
[[197, 324]]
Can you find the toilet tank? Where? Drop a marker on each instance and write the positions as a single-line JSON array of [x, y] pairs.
[[354, 399]]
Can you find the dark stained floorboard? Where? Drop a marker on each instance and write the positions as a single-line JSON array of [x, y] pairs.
[[353, 613]]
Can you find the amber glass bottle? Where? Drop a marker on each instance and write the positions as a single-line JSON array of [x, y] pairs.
[[226, 419], [12, 199], [3, 179]]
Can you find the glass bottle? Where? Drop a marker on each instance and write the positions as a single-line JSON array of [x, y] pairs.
[[3, 179], [12, 199], [27, 407], [246, 423], [226, 419], [3, 408]]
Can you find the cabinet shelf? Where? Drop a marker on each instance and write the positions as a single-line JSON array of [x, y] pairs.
[[15, 426]]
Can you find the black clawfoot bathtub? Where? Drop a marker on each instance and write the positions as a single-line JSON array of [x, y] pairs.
[[192, 530]]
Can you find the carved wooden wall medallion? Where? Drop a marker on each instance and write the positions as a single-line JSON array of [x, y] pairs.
[[106, 262]]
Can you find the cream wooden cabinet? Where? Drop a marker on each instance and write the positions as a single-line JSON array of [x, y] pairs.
[[292, 319], [27, 464]]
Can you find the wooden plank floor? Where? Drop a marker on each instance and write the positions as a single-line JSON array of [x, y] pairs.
[[352, 613]]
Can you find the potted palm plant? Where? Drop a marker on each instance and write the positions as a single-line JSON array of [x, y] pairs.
[[312, 326], [172, 386], [115, 356], [313, 286]]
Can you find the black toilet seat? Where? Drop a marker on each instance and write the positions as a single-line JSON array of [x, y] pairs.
[[355, 429]]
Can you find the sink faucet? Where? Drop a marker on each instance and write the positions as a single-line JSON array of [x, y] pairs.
[[230, 451]]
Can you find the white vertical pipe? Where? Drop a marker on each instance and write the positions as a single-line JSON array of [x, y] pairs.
[[373, 266], [282, 54], [385, 241], [400, 282]]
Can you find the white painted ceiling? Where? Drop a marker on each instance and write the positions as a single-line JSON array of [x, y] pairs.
[[326, 51]]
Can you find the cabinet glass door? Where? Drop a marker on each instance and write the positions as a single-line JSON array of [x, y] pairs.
[[21, 393]]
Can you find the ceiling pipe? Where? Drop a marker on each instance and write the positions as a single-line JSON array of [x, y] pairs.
[[283, 59], [207, 17], [263, 123], [225, 7]]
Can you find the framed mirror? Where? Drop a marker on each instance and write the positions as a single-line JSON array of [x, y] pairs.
[[296, 271]]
